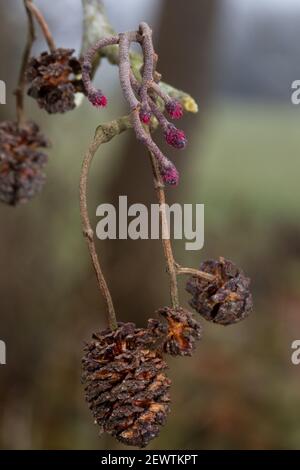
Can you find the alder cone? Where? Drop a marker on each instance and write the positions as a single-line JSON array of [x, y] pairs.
[[53, 81], [125, 383], [225, 300], [21, 161], [181, 331]]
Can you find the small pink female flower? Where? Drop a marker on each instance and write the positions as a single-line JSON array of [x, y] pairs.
[[174, 109], [175, 137], [98, 99], [145, 116], [171, 176]]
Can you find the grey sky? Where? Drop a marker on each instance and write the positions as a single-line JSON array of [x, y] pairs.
[[264, 4]]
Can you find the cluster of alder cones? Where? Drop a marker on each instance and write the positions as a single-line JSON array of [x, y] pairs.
[[53, 79], [124, 368]]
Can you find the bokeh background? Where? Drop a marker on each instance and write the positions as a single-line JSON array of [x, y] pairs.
[[240, 390]]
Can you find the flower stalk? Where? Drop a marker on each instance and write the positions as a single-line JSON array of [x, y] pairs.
[[42, 23], [31, 12], [104, 133], [19, 92], [166, 242]]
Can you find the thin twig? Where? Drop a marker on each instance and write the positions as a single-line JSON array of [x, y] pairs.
[[104, 133], [43, 24], [22, 82], [173, 268], [166, 242], [161, 93], [195, 272], [163, 121]]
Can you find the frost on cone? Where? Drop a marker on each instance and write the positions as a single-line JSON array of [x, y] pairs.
[[226, 299], [21, 161], [125, 383]]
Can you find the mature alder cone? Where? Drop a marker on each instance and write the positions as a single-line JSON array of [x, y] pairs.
[[181, 331], [225, 300], [53, 81], [125, 383], [21, 163]]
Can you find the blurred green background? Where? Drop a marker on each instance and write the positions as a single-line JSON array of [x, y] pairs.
[[240, 389]]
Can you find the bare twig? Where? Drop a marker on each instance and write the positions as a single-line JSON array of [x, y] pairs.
[[104, 133], [43, 25], [195, 272], [22, 82], [167, 247], [164, 123], [173, 268], [160, 92]]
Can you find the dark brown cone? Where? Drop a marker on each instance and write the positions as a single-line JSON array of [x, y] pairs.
[[181, 331], [21, 163], [225, 300], [125, 384], [52, 80]]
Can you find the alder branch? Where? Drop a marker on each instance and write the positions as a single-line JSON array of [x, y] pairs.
[[104, 133], [43, 25], [135, 91], [136, 75], [195, 272], [173, 268], [166, 242], [19, 92]]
